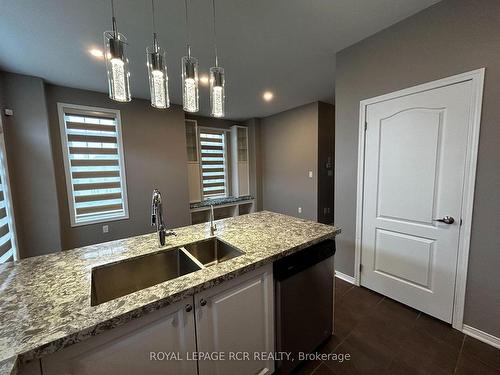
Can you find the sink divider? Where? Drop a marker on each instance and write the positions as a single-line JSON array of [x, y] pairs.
[[190, 256]]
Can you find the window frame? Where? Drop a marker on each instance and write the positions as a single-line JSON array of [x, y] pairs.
[[4, 165], [226, 162], [95, 111]]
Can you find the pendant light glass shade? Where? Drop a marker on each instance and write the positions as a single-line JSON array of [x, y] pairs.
[[190, 98], [158, 78], [217, 94], [117, 66], [217, 79]]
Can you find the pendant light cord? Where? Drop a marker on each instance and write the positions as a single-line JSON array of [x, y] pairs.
[[187, 28], [215, 35], [155, 40], [115, 32]]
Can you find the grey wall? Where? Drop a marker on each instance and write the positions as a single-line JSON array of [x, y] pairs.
[[155, 157], [451, 37], [31, 167], [288, 151]]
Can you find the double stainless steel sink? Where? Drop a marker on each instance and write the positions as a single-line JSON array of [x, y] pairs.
[[115, 280]]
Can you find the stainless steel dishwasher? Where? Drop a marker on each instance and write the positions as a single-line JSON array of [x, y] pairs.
[[304, 302]]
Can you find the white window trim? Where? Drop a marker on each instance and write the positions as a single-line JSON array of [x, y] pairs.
[[226, 166], [7, 194], [67, 169]]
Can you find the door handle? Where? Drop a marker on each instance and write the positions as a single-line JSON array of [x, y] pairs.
[[447, 220]]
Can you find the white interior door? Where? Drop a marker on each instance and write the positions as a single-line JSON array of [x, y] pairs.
[[415, 155]]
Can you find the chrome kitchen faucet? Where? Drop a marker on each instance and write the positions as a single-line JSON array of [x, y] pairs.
[[213, 226], [157, 218]]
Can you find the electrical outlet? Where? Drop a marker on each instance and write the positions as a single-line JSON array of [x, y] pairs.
[[299, 210], [105, 228], [310, 174]]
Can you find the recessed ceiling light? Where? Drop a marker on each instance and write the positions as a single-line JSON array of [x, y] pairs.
[[268, 96], [204, 80], [96, 53]]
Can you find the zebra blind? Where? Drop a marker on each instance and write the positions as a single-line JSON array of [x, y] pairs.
[[7, 236], [95, 179], [213, 163]]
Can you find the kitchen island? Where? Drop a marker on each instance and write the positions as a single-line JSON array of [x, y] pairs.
[[45, 301]]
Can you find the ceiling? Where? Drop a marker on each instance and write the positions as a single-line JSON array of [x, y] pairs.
[[285, 46]]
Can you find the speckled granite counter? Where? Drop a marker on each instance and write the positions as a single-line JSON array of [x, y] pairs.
[[8, 366], [219, 202], [45, 300]]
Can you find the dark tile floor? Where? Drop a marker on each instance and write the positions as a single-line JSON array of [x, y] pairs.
[[385, 337]]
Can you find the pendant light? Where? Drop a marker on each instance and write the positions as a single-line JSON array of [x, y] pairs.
[[190, 98], [116, 63], [217, 79], [157, 70]]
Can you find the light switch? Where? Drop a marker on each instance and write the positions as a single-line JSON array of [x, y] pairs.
[[105, 229], [310, 174]]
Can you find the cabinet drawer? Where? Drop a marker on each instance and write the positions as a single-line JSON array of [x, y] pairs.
[[127, 349]]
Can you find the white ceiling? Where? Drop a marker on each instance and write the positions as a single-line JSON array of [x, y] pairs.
[[286, 46]]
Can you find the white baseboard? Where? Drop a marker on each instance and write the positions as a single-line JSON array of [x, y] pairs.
[[481, 336], [347, 278]]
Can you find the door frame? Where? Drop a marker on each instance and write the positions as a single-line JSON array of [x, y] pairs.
[[477, 79]]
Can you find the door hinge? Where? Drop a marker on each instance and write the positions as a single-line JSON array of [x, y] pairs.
[[366, 125], [360, 268], [461, 221]]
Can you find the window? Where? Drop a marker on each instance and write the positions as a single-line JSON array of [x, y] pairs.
[[93, 160], [213, 163], [8, 245]]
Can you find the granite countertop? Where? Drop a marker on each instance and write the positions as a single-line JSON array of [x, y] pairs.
[[219, 201], [8, 366], [45, 300]]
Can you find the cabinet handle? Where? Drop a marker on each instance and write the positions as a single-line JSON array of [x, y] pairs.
[[203, 302], [189, 308]]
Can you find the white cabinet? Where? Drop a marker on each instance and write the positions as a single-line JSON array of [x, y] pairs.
[[127, 349], [240, 169], [237, 316]]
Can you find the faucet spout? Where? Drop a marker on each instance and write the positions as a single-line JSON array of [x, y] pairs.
[[157, 218], [213, 227]]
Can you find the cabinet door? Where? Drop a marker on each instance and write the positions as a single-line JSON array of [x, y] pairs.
[[194, 182], [128, 349], [243, 180], [239, 161], [238, 317], [192, 141]]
